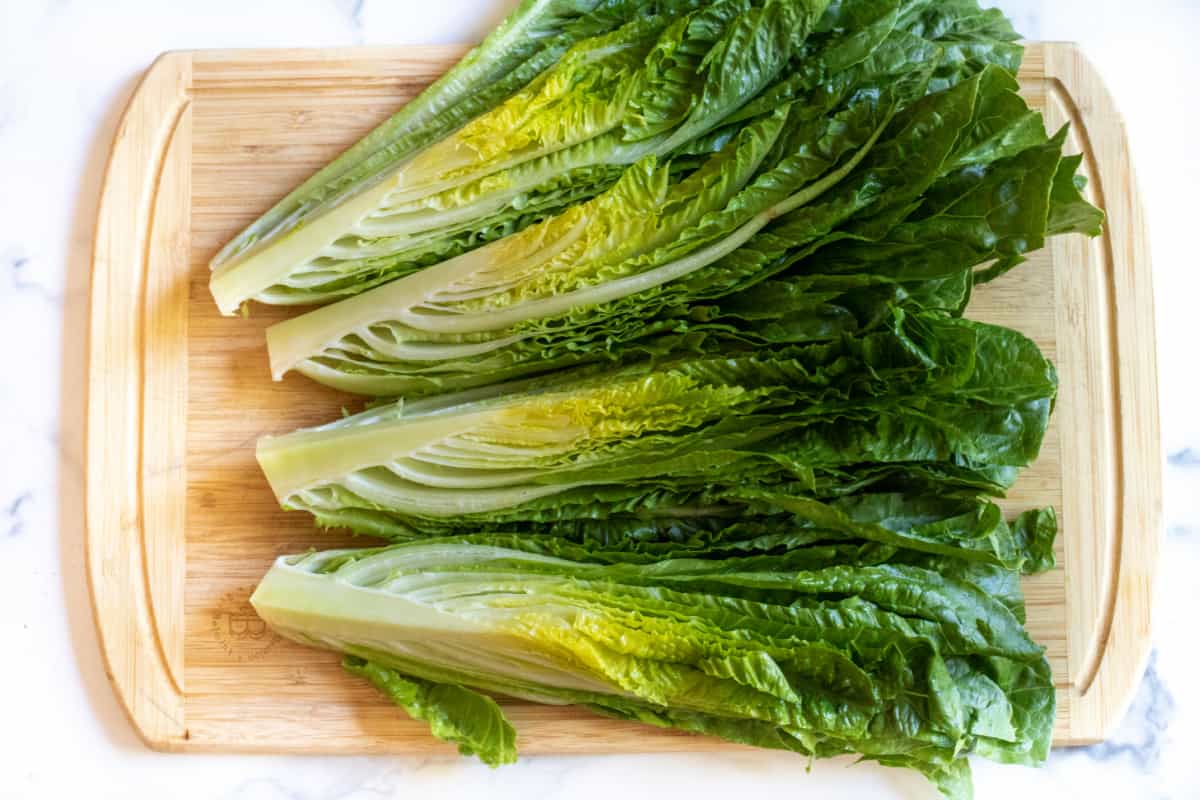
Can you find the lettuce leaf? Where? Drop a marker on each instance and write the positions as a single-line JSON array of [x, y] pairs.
[[899, 663], [577, 91], [820, 226], [692, 431], [455, 714], [929, 403]]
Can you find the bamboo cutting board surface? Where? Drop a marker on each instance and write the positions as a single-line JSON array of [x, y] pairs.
[[181, 523]]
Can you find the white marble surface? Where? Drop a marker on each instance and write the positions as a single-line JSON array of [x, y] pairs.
[[66, 67]]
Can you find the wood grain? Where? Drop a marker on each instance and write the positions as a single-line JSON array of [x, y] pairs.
[[181, 524], [137, 389]]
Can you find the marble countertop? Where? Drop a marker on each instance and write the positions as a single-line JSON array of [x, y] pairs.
[[66, 68]]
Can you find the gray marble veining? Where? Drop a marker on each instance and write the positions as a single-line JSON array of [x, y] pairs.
[[14, 518], [1142, 737], [1187, 457]]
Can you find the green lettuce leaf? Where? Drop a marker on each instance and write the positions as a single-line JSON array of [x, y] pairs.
[[671, 71], [930, 403], [850, 215], [471, 720], [895, 662], [532, 38]]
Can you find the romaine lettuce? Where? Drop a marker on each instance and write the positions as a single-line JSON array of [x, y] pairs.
[[878, 202], [928, 401], [435, 181], [692, 430], [907, 662]]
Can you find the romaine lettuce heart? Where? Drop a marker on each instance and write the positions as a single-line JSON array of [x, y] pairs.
[[432, 185]]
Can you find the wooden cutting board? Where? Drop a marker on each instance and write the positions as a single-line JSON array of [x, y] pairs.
[[181, 524]]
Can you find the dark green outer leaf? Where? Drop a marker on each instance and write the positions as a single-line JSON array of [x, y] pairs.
[[472, 721]]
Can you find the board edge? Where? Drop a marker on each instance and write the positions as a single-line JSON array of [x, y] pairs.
[[1122, 662], [1107, 690], [140, 667]]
